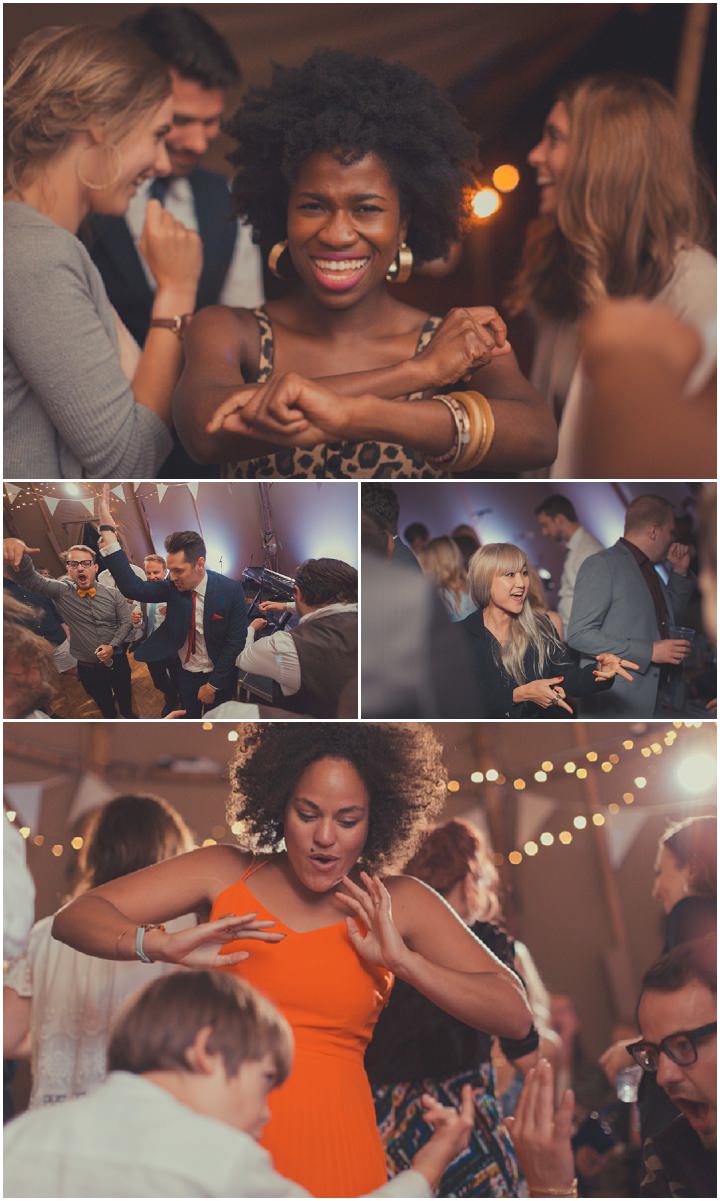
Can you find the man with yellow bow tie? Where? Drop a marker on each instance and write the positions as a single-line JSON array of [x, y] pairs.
[[98, 618]]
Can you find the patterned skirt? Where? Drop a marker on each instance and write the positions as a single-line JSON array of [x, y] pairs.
[[487, 1168]]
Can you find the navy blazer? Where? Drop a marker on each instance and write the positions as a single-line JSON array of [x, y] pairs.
[[112, 248], [225, 622]]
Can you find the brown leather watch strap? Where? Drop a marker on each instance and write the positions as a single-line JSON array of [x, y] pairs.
[[177, 325]]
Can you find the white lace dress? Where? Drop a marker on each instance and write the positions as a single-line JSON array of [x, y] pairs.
[[75, 999]]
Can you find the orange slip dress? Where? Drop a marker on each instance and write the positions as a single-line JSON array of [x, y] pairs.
[[322, 1133]]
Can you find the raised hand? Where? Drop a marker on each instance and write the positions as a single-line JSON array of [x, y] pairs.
[[541, 1133], [371, 929], [202, 946], [467, 339], [679, 558], [104, 511], [543, 693], [14, 549], [172, 252], [452, 1130], [610, 665]]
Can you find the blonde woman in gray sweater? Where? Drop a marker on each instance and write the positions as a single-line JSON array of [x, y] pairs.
[[86, 114]]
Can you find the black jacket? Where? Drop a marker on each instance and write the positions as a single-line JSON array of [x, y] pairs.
[[496, 686], [225, 617]]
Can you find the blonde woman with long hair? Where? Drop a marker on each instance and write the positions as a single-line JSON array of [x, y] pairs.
[[86, 114], [621, 214], [522, 667], [442, 563]]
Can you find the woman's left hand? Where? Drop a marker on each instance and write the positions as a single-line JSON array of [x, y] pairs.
[[609, 666], [371, 907]]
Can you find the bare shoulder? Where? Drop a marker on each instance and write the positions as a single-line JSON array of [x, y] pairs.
[[222, 864], [408, 890], [218, 320]]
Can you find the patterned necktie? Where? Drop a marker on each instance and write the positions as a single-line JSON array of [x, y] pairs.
[[191, 632], [86, 592]]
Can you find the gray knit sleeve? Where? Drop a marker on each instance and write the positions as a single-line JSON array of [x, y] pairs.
[[59, 330]]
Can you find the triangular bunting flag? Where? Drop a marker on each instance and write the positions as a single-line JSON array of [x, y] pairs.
[[193, 486], [119, 491], [621, 833], [89, 505], [26, 800], [533, 814], [161, 490], [12, 491], [52, 503]]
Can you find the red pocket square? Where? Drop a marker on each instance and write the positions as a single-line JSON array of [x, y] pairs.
[[217, 617]]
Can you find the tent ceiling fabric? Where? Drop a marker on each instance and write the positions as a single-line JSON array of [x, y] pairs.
[[490, 55]]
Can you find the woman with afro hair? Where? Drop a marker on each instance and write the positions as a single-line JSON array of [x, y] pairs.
[[351, 169], [306, 910]]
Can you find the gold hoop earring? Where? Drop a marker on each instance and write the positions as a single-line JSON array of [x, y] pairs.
[[400, 269], [110, 183], [274, 257]]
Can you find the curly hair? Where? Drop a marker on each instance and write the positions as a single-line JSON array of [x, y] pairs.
[[400, 765], [352, 105], [449, 853]]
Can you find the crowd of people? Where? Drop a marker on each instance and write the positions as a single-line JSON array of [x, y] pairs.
[[189, 624], [223, 995], [152, 345], [623, 640]]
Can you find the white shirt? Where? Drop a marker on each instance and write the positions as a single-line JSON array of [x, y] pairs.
[[579, 548], [108, 581], [243, 286], [75, 999], [131, 1138], [18, 891], [276, 656], [199, 660]]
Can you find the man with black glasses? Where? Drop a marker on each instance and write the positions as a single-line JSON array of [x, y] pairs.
[[98, 618], [677, 1014]]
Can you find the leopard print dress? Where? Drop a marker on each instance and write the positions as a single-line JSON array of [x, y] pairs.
[[334, 460]]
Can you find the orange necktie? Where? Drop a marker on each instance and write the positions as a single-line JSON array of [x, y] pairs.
[[191, 632]]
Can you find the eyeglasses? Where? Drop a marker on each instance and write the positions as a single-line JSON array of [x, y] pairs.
[[680, 1047], [80, 562]]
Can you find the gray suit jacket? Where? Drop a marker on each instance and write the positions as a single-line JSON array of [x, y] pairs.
[[613, 611]]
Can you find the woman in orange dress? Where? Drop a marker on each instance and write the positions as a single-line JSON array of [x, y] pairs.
[[309, 925]]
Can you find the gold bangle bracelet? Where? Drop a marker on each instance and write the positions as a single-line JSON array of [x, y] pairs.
[[476, 432], [482, 419], [555, 1192]]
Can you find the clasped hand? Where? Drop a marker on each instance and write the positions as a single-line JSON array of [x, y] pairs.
[[287, 411]]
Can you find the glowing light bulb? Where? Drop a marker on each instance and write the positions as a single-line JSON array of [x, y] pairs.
[[598, 819], [579, 822], [565, 837], [506, 177], [547, 839], [515, 857], [453, 785], [518, 785], [485, 203]]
